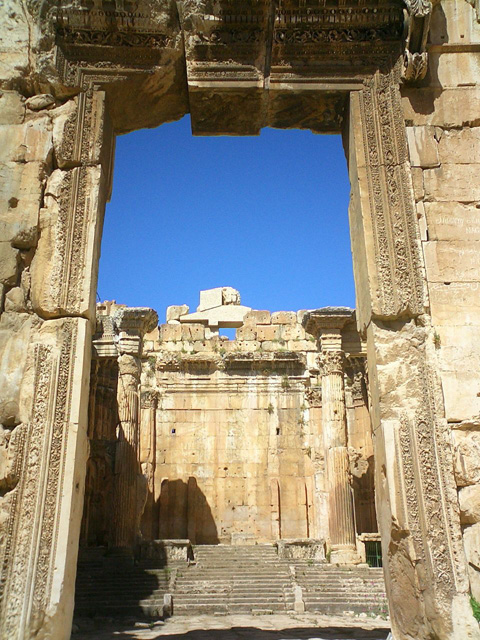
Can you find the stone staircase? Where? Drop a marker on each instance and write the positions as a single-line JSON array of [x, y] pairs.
[[120, 592], [229, 579], [234, 579], [333, 590]]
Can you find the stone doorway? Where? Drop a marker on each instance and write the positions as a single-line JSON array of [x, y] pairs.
[[77, 73]]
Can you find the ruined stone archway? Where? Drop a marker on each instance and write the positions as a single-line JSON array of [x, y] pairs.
[[116, 66]]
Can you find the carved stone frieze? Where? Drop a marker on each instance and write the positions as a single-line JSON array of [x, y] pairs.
[[393, 217], [32, 533], [313, 396], [430, 497]]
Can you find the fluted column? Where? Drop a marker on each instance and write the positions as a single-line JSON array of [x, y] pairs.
[[334, 423], [326, 324], [126, 453]]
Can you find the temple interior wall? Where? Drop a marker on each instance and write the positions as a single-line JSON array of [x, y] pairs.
[[230, 435]]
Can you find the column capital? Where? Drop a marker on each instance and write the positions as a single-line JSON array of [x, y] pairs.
[[327, 320], [331, 362]]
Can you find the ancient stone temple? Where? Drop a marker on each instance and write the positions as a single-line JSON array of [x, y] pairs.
[[243, 441], [399, 79]]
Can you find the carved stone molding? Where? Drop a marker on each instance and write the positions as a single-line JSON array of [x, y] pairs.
[[394, 226], [32, 532], [430, 507]]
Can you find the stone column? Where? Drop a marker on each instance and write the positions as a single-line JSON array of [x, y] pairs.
[[132, 324], [126, 454], [326, 324]]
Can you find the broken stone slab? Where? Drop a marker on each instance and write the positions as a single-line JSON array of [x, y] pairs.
[[469, 500], [39, 102], [9, 264], [175, 311]]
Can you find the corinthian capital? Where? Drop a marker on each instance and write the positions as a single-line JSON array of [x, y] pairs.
[[331, 362]]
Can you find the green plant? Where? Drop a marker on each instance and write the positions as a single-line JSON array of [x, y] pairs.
[[270, 408], [328, 555], [437, 341], [475, 608], [222, 351], [285, 382]]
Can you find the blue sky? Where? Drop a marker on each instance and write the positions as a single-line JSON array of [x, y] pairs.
[[266, 215]]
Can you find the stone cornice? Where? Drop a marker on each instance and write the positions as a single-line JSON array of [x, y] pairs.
[[326, 319]]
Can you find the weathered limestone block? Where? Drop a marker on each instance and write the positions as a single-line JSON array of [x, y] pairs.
[[64, 268], [453, 182], [449, 108], [423, 147], [193, 332], [12, 107], [455, 261], [455, 304], [9, 263], [292, 332], [417, 181], [471, 539], [452, 221], [21, 188], [268, 332], [15, 58], [28, 142], [284, 317], [15, 333], [453, 69], [246, 333], [454, 22], [459, 365], [467, 457], [257, 317], [469, 500], [169, 333], [460, 146], [15, 300]]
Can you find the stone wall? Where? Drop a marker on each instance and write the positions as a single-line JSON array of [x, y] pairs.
[[443, 130], [234, 447]]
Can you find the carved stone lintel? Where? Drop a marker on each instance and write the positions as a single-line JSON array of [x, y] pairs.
[[417, 22]]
